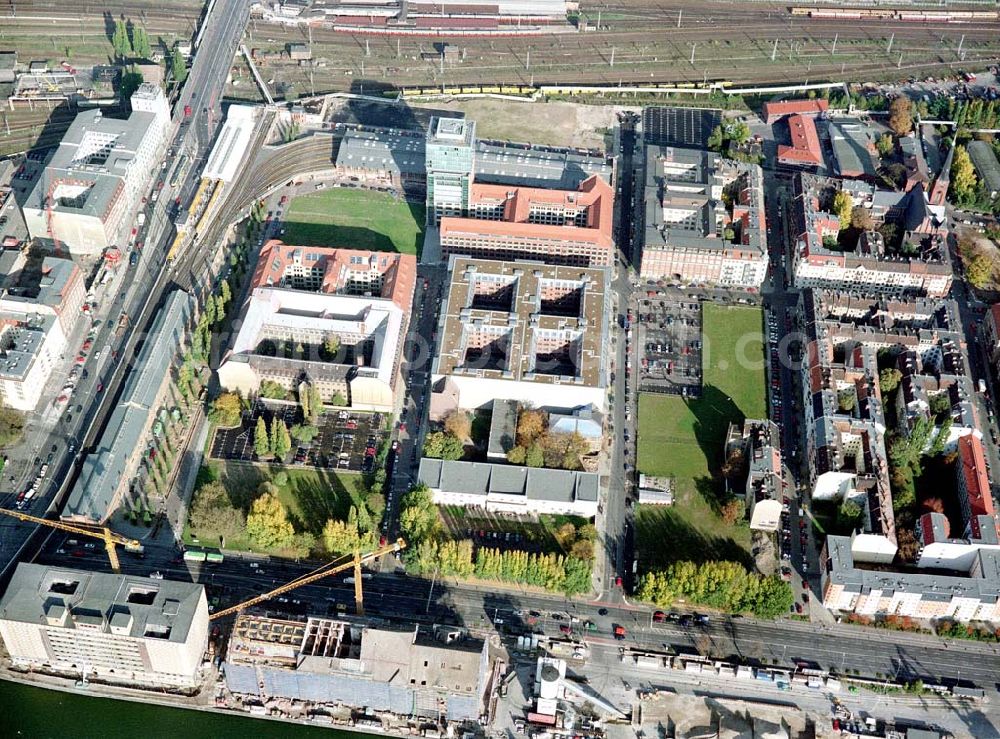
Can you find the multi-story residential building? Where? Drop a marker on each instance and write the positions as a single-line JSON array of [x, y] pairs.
[[521, 331], [968, 594], [450, 165], [511, 489], [690, 233], [113, 628], [918, 265], [843, 405], [774, 112], [989, 335], [435, 675], [973, 486], [60, 292], [118, 467], [30, 346], [759, 444], [87, 193], [555, 226], [304, 299]]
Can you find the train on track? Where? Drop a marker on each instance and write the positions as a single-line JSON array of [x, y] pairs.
[[910, 15], [555, 89]]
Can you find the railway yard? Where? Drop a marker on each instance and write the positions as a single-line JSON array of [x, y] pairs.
[[79, 34], [628, 43], [637, 42]]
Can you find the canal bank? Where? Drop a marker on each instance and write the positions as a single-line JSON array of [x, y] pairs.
[[36, 712]]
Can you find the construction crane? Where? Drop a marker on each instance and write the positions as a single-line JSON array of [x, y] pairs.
[[330, 568], [109, 537]]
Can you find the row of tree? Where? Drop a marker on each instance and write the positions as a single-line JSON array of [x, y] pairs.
[[128, 45], [727, 586], [274, 443]]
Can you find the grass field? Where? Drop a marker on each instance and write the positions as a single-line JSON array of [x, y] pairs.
[[683, 439], [311, 496], [355, 219]]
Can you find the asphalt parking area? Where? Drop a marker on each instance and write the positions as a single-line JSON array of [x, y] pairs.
[[341, 444], [670, 343], [344, 438]]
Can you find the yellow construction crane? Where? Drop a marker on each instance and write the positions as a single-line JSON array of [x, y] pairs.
[[109, 537], [330, 568]]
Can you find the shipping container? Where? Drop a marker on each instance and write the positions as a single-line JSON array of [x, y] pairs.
[[194, 555]]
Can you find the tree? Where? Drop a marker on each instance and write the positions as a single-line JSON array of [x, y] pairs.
[[901, 115], [225, 292], [458, 424], [842, 208], [140, 43], [846, 400], [11, 426], [565, 535], [535, 455], [849, 515], [338, 399], [739, 132], [530, 425], [273, 390], [213, 513], [715, 139], [885, 145], [418, 516], [226, 410], [940, 403], [267, 523], [963, 175], [346, 537], [281, 442], [178, 67], [733, 511], [131, 79], [375, 501], [330, 348], [304, 398], [889, 379], [304, 434], [442, 445], [861, 218], [979, 271], [120, 41], [261, 440], [210, 314], [315, 403], [516, 455]]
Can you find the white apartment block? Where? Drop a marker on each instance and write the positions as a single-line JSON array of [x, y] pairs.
[[86, 196], [30, 347], [116, 628]]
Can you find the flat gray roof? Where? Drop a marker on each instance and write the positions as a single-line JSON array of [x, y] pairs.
[[850, 139], [101, 473], [503, 427], [402, 152], [985, 162], [535, 483], [148, 608]]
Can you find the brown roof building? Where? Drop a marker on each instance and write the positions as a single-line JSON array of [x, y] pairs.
[[805, 148], [774, 112], [557, 226], [337, 271]]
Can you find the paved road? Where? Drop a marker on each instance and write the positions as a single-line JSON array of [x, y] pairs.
[[397, 596], [142, 289]]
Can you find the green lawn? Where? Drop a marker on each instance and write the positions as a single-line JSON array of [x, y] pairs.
[[683, 439], [355, 219], [311, 495]]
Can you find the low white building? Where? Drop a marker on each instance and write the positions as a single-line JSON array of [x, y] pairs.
[[115, 628], [512, 489], [87, 194]]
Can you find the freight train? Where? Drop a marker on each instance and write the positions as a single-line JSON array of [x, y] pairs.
[[898, 14]]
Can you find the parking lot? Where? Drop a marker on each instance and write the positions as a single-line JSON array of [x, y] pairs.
[[342, 443], [669, 343]]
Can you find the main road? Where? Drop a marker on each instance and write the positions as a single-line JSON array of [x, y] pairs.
[[139, 297]]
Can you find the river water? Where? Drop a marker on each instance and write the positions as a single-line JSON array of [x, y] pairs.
[[27, 711]]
